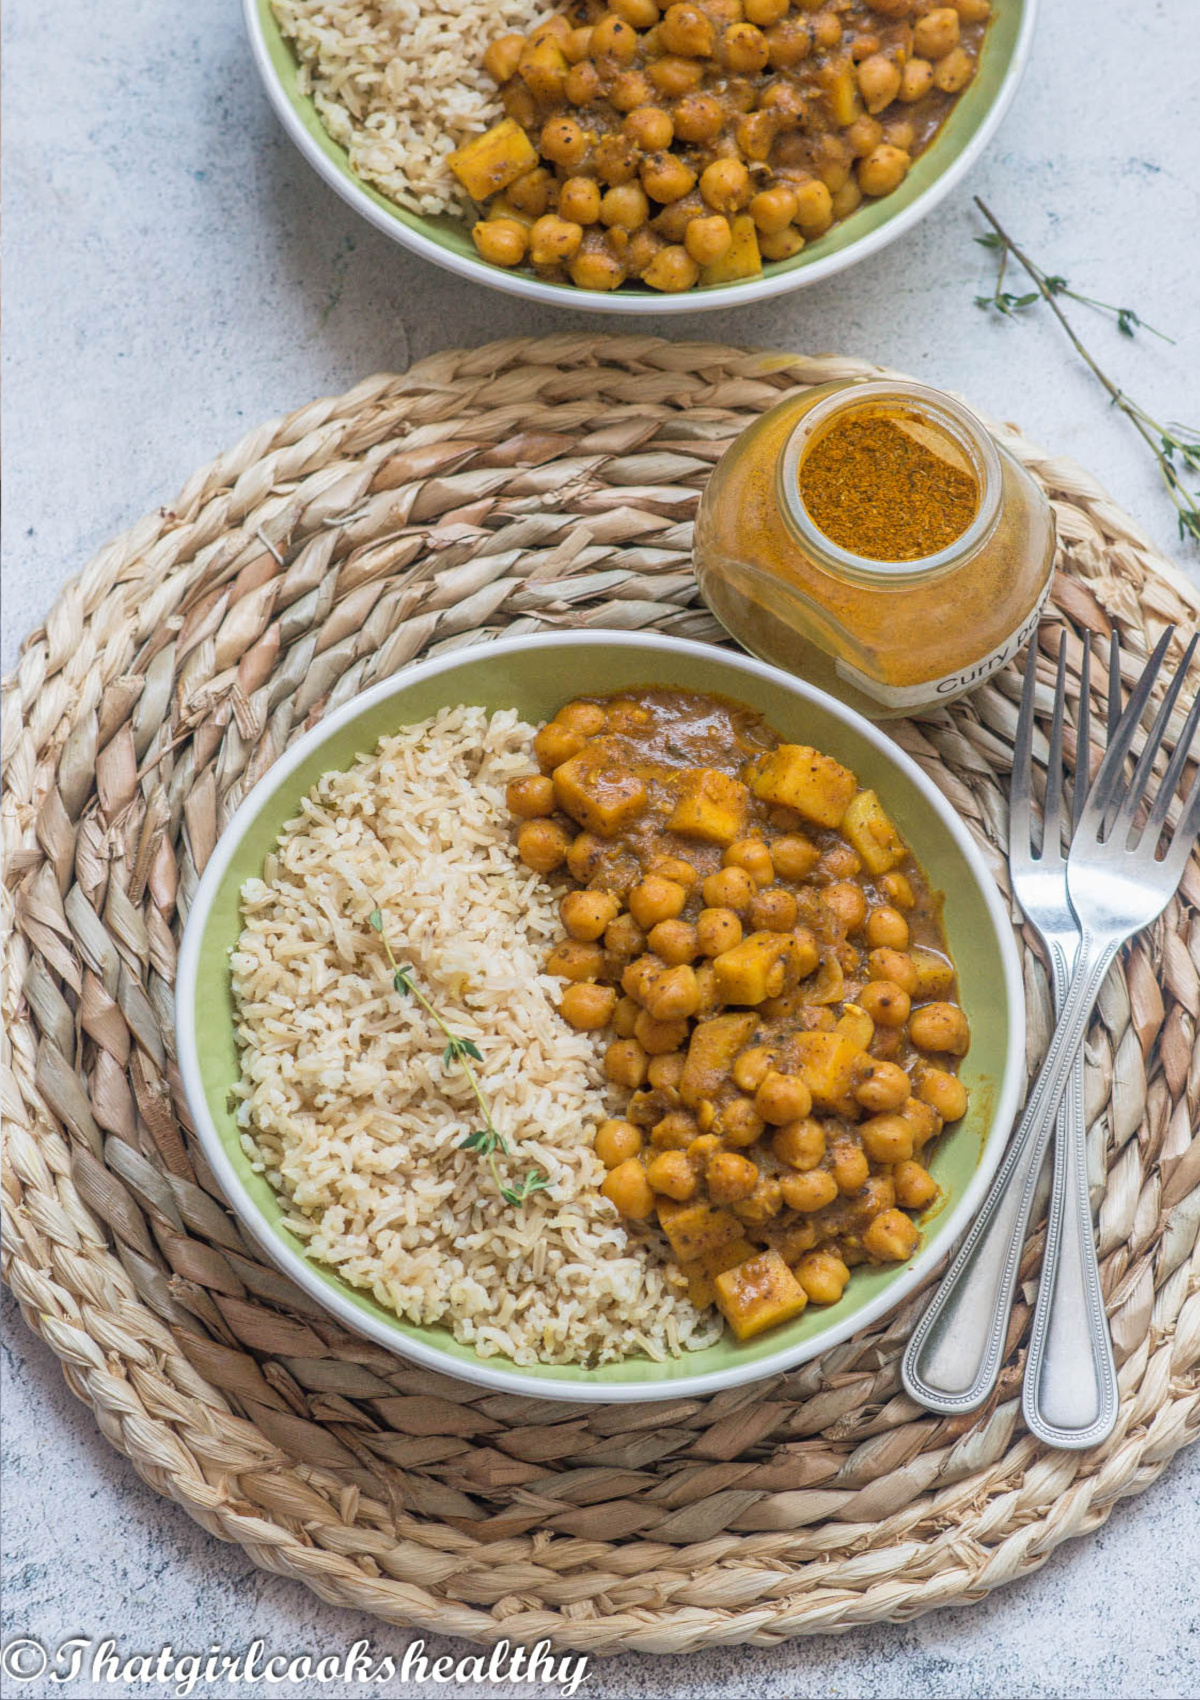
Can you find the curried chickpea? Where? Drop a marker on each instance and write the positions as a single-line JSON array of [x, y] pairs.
[[900, 133], [846, 198], [730, 1178], [922, 1118], [886, 1138], [698, 118], [685, 30], [584, 856], [642, 14], [878, 79], [936, 33], [883, 170], [649, 128], [625, 1063], [973, 11], [800, 1144], [625, 205], [753, 855], [916, 80], [782, 1098], [572, 959], [671, 1174], [884, 963], [596, 268], [625, 1017], [765, 12], [674, 941], [810, 1189], [586, 1006], [751, 1067], [886, 926], [732, 888], [839, 862], [500, 241], [739, 1123], [915, 1186], [542, 845], [582, 84], [616, 1141], [891, 1237], [717, 929], [673, 76], [886, 1003], [659, 1038], [849, 1166], [794, 856], [676, 1131], [564, 141], [953, 72], [773, 911], [579, 200], [788, 42], [847, 903], [944, 1091], [624, 939], [586, 914], [863, 135], [675, 868], [782, 245], [884, 1086], [629, 89], [666, 177], [673, 994], [773, 209], [530, 796], [672, 269], [814, 206], [823, 1276], [743, 49], [764, 1202], [940, 1027], [552, 240], [613, 38], [897, 888], [666, 1071], [555, 744], [501, 57], [725, 185], [626, 1186], [656, 899], [577, 45]]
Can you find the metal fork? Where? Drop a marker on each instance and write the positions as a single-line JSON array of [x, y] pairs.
[[1115, 887]]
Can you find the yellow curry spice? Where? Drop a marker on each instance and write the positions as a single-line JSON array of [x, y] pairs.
[[875, 489]]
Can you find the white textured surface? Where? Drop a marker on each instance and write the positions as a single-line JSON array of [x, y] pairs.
[[174, 275]]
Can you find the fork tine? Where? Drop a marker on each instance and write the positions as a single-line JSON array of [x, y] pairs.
[[1020, 817], [1114, 683], [1052, 814], [1187, 833], [1106, 788], [1158, 814], [1141, 773], [1083, 735]]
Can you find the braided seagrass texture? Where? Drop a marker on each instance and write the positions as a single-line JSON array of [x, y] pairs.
[[510, 488]]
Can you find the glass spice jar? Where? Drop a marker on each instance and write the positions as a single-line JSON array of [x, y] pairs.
[[875, 539]]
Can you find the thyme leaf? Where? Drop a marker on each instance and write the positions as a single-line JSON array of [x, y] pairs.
[[1176, 448], [533, 1182]]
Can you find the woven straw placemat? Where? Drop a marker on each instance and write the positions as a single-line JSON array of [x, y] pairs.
[[513, 487]]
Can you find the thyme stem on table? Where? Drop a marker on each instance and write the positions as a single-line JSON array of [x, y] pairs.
[[488, 1139], [1176, 448]]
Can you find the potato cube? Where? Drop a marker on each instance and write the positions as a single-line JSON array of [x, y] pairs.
[[759, 1294], [829, 1066], [842, 94], [492, 161], [740, 259], [754, 970], [598, 790], [872, 834], [702, 1273], [695, 1229], [935, 974], [795, 776], [714, 1044], [711, 806]]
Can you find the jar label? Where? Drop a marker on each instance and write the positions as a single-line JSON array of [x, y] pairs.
[[954, 684]]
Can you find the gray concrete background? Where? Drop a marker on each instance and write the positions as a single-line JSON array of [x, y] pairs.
[[174, 273]]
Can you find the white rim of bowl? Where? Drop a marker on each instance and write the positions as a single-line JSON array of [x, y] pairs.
[[480, 1372], [592, 301]]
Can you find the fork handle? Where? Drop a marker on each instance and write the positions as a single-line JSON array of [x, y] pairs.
[[1070, 1396], [953, 1359]]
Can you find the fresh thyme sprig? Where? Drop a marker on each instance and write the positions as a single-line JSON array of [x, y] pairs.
[[488, 1139], [1176, 448]]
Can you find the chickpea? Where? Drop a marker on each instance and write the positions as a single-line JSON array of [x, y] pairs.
[[579, 200], [656, 899], [892, 8], [543, 70], [659, 1038], [636, 979], [643, 1109], [773, 911], [553, 240], [898, 889], [530, 796], [847, 904], [730, 1178], [732, 888], [823, 1276], [519, 105], [675, 868], [756, 133], [883, 170], [582, 84], [805, 954], [839, 862], [849, 1166], [578, 45], [574, 960], [642, 14], [717, 929], [686, 31], [752, 855], [765, 12], [740, 1123], [554, 28], [886, 1138], [773, 209], [887, 927], [671, 270], [666, 177], [616, 160], [743, 50], [887, 964], [781, 246], [596, 268], [794, 856], [936, 33], [531, 193], [674, 941], [916, 80], [954, 72], [788, 42], [973, 11], [944, 1091], [586, 914], [676, 1131], [891, 1237], [940, 1027], [800, 1144], [564, 141], [814, 207], [500, 241], [666, 1071], [617, 1141], [502, 56], [782, 1098], [673, 76], [827, 29], [864, 135], [625, 205], [625, 1017], [671, 1173], [847, 198], [629, 89], [649, 128], [885, 1086], [899, 133], [555, 744], [626, 1186], [886, 1003], [725, 185], [922, 1118], [673, 994], [764, 1202], [542, 845], [673, 220], [585, 856], [624, 939], [586, 717], [878, 81], [751, 1067], [625, 1063], [915, 1186], [586, 1006], [810, 1189], [698, 118], [613, 38]]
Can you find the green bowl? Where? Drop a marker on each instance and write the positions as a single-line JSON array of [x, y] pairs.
[[447, 241], [536, 676]]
